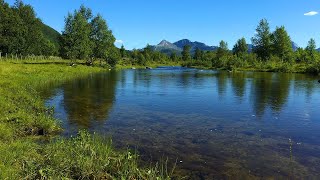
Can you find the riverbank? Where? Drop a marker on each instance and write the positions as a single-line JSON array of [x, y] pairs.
[[24, 121], [124, 65], [268, 67]]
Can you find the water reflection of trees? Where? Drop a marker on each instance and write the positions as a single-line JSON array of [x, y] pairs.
[[238, 82], [269, 90], [222, 78], [264, 89], [89, 100], [306, 83]]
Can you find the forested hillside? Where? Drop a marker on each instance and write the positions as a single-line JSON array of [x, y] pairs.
[[22, 33], [51, 34]]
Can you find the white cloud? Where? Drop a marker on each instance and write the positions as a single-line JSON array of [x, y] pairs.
[[118, 41], [311, 13]]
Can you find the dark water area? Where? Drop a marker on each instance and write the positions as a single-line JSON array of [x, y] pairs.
[[215, 124]]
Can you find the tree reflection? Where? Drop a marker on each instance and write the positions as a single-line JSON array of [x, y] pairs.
[[279, 91], [90, 99], [238, 81], [269, 90], [222, 78]]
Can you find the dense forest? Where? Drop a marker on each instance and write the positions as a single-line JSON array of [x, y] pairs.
[[88, 37], [22, 33]]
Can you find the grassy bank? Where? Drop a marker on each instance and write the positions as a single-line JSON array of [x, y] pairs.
[[24, 121], [259, 66]]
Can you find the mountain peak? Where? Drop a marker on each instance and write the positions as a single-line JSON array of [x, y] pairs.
[[167, 47], [194, 45], [164, 43], [184, 41]]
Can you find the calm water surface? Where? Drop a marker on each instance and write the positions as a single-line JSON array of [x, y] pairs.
[[215, 124]]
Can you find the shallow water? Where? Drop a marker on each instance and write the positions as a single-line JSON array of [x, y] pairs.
[[214, 124]]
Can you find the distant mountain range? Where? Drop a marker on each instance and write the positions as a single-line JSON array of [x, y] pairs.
[[177, 47], [164, 46]]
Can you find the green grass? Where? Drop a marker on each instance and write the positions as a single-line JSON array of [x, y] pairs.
[[261, 66], [25, 122]]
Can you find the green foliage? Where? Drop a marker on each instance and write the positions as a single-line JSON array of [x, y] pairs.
[[123, 52], [87, 37], [112, 56], [21, 31], [222, 49], [186, 56], [241, 47], [198, 55], [92, 157], [174, 57], [311, 51], [262, 40], [101, 37], [300, 55], [147, 57], [281, 44], [52, 35], [76, 42], [271, 52]]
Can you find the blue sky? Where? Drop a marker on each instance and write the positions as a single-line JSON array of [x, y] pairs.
[[138, 22]]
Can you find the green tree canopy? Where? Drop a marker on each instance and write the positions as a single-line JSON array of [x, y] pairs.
[[85, 37], [21, 31], [76, 42], [198, 55], [101, 37], [222, 49], [186, 53], [311, 50], [113, 55], [240, 47], [281, 44], [262, 40], [123, 51], [174, 57]]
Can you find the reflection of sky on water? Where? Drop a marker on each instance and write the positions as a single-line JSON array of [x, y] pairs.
[[220, 124]]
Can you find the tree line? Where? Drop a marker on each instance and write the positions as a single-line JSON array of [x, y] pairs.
[[21, 32], [88, 37], [270, 51]]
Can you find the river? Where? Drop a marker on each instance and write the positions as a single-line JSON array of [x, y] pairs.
[[212, 124]]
